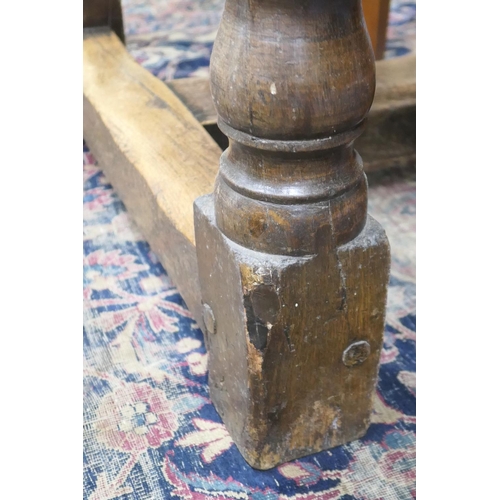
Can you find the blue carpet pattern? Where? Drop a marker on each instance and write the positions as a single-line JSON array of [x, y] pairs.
[[150, 430]]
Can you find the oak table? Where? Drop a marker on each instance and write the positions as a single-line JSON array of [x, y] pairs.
[[270, 244]]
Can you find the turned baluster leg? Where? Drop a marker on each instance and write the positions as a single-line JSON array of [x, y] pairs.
[[293, 273]]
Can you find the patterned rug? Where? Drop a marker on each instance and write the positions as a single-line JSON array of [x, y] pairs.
[[150, 430]]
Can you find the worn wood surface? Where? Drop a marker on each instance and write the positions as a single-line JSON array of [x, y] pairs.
[[389, 138], [98, 14], [295, 350], [377, 17], [288, 278], [154, 152], [293, 273]]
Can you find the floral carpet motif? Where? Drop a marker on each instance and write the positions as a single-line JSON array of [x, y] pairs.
[[150, 430], [174, 38]]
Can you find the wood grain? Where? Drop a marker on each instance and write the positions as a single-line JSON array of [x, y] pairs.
[[292, 270], [284, 326], [154, 152], [195, 95], [289, 275], [389, 138]]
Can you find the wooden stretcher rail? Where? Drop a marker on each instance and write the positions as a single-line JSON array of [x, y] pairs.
[[288, 276], [141, 131], [152, 149], [143, 163]]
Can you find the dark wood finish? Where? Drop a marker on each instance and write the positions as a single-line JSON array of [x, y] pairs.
[[377, 17], [99, 14], [293, 274], [154, 152], [389, 136]]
